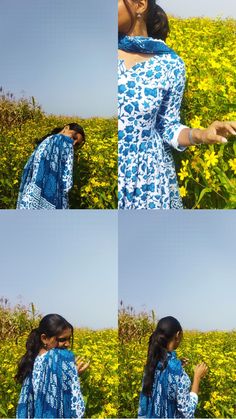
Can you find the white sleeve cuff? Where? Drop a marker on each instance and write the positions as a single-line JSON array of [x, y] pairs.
[[194, 396], [174, 141]]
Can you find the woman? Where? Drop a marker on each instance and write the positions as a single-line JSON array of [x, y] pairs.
[[49, 374], [165, 390], [150, 89], [48, 174]]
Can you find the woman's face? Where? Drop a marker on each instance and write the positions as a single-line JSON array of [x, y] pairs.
[[124, 18], [62, 341], [178, 338], [78, 139]]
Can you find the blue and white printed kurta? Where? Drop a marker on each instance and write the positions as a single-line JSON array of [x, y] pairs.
[[48, 175], [149, 100], [53, 388], [171, 396]]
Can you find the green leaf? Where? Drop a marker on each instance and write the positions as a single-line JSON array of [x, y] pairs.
[[203, 192]]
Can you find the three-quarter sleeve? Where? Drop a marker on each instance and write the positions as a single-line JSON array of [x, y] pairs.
[[168, 119], [71, 385], [186, 400], [77, 401], [67, 158]]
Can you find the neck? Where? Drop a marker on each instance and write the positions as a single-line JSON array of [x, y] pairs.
[[139, 29], [171, 347]]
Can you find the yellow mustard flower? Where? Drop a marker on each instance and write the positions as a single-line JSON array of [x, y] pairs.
[[182, 191], [211, 158], [232, 163]]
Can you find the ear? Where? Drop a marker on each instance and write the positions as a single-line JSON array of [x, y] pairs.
[[43, 338], [141, 6]]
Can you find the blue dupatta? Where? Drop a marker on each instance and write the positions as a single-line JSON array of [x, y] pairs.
[[58, 391], [162, 403], [144, 45], [48, 175]]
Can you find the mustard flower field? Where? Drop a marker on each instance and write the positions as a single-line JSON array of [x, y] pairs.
[[99, 383], [95, 165], [207, 174], [217, 391]]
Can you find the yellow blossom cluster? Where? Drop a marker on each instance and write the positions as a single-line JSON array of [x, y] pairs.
[[95, 165], [207, 48], [99, 383], [217, 390]]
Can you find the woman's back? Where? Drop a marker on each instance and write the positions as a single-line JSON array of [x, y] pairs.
[[47, 176], [171, 397], [53, 388]]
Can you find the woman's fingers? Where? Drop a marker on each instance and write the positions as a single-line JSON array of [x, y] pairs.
[[229, 129], [215, 138], [82, 367], [226, 127]]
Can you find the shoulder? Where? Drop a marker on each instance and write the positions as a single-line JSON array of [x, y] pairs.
[[171, 65], [174, 364], [60, 139], [58, 355]]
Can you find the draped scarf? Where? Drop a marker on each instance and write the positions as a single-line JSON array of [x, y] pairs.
[[143, 45], [48, 175], [54, 397], [160, 405]]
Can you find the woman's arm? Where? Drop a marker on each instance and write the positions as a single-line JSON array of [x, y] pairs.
[[77, 401], [215, 133], [168, 122], [186, 401], [199, 372]]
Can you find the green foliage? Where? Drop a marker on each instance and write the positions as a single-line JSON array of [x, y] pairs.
[[95, 165], [16, 112], [134, 326], [99, 384], [217, 349], [15, 321], [207, 175]]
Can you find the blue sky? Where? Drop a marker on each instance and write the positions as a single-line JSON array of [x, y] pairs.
[[181, 264], [63, 262], [210, 8], [62, 52]]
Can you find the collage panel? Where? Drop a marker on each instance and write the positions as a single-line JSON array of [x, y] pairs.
[[111, 313], [58, 119], [58, 314], [176, 104], [177, 331]]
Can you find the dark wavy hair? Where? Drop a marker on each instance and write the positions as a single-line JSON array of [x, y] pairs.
[[50, 325], [166, 329], [156, 20], [73, 126]]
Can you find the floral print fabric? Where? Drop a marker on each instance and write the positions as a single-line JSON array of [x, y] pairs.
[[48, 175], [171, 396], [53, 388], [149, 100]]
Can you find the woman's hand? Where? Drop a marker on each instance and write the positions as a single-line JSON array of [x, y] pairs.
[[215, 133], [81, 365], [200, 371]]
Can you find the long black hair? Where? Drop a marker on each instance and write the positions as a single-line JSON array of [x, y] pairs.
[[73, 126], [156, 20], [50, 325], [166, 329]]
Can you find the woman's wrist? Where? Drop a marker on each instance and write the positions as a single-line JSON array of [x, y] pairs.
[[195, 136], [196, 384]]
